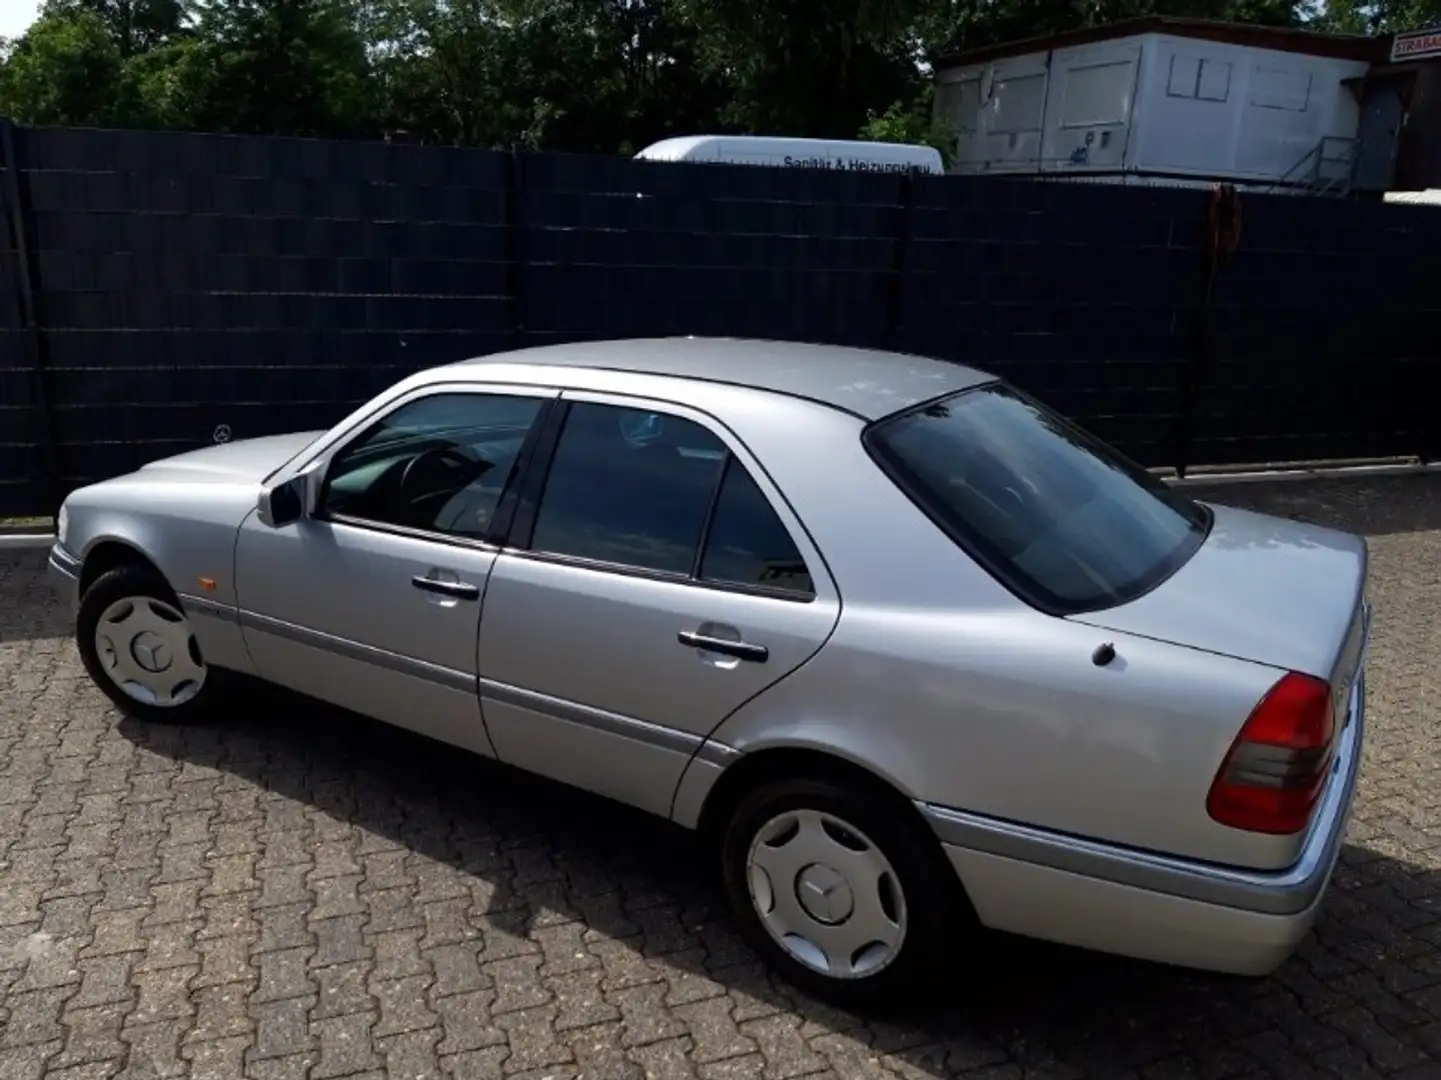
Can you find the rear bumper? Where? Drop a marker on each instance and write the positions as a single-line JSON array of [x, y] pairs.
[[64, 573], [1098, 896]]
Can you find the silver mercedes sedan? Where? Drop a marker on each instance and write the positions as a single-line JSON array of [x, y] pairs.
[[912, 653]]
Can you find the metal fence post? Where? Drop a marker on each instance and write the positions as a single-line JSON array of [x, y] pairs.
[[17, 213], [1221, 238], [895, 322], [515, 246]]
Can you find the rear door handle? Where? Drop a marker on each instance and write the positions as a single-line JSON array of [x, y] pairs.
[[461, 590], [741, 650]]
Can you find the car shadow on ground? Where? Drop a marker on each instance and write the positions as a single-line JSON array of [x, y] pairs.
[[536, 854]]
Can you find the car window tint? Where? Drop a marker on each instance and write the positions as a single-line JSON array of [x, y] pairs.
[[439, 463], [630, 487], [748, 544], [1066, 521]]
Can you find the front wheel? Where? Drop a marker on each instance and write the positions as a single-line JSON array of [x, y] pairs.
[[840, 892], [139, 648]]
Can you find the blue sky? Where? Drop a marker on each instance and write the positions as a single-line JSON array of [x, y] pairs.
[[16, 15]]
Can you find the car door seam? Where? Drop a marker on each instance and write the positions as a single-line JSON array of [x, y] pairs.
[[710, 740], [633, 728], [350, 649], [235, 581]]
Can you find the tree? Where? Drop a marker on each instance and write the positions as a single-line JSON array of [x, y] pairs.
[[912, 123], [578, 75], [294, 67], [809, 67], [170, 85], [581, 75], [66, 69], [951, 25], [134, 25], [1377, 16]]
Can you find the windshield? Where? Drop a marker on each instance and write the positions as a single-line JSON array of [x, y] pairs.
[[1064, 521]]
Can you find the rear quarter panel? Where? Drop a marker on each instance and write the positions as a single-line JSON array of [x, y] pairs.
[[946, 685], [1006, 716]]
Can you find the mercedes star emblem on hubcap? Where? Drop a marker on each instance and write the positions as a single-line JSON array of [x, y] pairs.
[[824, 894], [151, 652]]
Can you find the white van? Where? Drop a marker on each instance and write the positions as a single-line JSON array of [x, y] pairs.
[[797, 153]]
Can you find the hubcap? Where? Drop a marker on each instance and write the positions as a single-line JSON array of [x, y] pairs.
[[827, 894], [146, 648]]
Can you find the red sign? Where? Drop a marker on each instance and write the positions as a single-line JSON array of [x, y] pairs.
[[1416, 46]]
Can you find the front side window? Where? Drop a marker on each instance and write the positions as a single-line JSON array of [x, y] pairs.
[[438, 464], [1063, 520], [629, 487]]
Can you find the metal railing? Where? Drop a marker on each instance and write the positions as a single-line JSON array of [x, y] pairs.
[[1328, 168]]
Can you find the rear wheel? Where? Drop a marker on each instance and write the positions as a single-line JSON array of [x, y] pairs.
[[139, 648], [840, 891]]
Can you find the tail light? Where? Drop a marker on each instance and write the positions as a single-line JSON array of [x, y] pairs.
[[1276, 768]]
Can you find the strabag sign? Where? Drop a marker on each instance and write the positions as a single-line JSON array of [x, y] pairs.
[[1416, 46]]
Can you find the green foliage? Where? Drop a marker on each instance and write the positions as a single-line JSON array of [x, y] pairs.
[[970, 24], [911, 123], [576, 75], [1378, 16], [294, 66], [134, 25], [66, 70]]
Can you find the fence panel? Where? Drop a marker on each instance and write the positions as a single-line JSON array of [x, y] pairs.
[[267, 285], [27, 479], [186, 281], [1082, 294], [636, 249], [1323, 334]]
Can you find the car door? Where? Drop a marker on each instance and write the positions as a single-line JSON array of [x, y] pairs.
[[373, 601], [654, 581]]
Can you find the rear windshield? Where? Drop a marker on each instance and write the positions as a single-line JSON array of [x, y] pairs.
[[1064, 521]]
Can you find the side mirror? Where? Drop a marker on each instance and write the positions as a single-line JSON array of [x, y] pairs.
[[297, 498], [283, 504]]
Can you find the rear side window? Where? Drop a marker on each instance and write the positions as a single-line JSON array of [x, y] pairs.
[[747, 543], [656, 492], [629, 487], [1064, 521]]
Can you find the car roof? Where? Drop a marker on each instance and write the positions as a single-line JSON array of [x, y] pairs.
[[868, 383]]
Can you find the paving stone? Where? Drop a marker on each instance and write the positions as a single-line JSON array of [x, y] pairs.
[[294, 892]]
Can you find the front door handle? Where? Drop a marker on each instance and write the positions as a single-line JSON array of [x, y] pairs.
[[461, 590], [741, 650]]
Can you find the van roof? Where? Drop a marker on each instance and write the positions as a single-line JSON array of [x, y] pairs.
[[680, 144]]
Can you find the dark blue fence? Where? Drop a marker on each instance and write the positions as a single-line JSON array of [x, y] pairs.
[[156, 286]]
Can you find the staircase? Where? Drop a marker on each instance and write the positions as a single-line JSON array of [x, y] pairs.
[[1328, 169]]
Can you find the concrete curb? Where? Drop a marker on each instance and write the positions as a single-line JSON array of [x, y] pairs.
[[1318, 472], [26, 541]]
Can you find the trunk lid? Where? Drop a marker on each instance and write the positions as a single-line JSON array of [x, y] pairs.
[[1260, 588]]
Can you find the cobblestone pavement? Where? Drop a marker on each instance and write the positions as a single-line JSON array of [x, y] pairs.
[[296, 892]]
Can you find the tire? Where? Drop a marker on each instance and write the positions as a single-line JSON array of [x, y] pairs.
[[139, 649], [848, 833]]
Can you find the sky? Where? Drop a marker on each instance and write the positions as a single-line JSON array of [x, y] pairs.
[[16, 16]]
